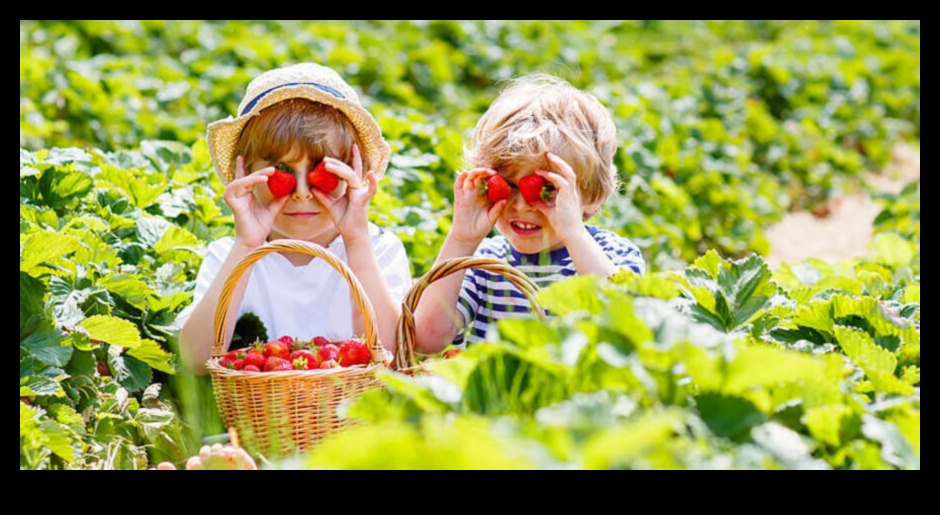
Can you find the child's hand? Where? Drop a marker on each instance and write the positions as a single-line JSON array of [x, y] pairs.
[[474, 216], [565, 213], [350, 210], [253, 220]]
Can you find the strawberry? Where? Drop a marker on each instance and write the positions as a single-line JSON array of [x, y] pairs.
[[290, 341], [329, 364], [321, 179], [103, 369], [320, 341], [251, 368], [535, 188], [254, 358], [282, 182], [234, 360], [354, 352], [328, 352], [450, 353], [277, 348], [276, 364], [496, 188], [306, 358]]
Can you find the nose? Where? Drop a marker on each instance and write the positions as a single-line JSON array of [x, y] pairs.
[[517, 202], [302, 191]]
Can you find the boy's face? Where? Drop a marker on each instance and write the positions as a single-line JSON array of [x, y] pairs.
[[526, 228], [303, 217]]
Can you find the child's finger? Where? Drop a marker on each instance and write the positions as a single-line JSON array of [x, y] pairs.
[[278, 204], [352, 177], [562, 166], [239, 167], [556, 179], [496, 211], [356, 159]]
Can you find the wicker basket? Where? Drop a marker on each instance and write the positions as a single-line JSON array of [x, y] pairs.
[[405, 358], [281, 413]]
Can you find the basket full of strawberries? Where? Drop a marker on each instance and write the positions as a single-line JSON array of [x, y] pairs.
[[283, 396]]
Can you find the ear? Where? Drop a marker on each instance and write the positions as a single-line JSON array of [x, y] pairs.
[[590, 210]]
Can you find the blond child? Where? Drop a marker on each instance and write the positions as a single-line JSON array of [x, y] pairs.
[[292, 119], [539, 126]]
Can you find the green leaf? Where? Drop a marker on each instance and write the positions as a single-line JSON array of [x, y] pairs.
[[151, 353], [46, 344], [619, 447], [142, 188], [44, 247], [878, 363], [895, 449], [40, 385], [150, 229], [728, 416], [133, 374], [894, 250], [767, 366], [113, 330], [131, 288], [177, 238], [579, 293], [32, 294], [825, 422]]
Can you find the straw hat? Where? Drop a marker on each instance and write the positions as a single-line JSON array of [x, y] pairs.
[[306, 80]]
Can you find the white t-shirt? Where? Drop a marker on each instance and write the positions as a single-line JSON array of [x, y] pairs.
[[304, 301]]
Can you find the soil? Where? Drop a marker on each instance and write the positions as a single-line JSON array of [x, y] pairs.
[[845, 231]]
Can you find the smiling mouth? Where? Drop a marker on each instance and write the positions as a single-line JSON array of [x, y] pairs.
[[524, 228], [304, 214]]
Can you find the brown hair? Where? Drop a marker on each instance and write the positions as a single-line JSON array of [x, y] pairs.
[[294, 127], [542, 113]]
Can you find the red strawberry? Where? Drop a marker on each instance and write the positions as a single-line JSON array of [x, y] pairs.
[[256, 359], [289, 340], [320, 341], [321, 179], [277, 348], [329, 364], [450, 353], [535, 188], [251, 368], [328, 352], [234, 360], [282, 182], [354, 352], [103, 369], [304, 357], [276, 364], [496, 188]]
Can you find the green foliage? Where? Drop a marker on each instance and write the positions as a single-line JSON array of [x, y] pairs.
[[710, 360]]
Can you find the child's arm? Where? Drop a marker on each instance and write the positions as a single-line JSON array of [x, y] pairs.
[[253, 223], [350, 213], [567, 219], [436, 316]]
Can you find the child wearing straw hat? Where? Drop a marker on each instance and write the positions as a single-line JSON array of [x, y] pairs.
[[543, 153], [296, 119]]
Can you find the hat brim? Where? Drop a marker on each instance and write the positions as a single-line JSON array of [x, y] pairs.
[[223, 135]]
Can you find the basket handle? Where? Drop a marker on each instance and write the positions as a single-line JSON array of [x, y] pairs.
[[405, 354], [303, 247]]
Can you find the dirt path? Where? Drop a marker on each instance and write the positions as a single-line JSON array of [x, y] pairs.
[[846, 232]]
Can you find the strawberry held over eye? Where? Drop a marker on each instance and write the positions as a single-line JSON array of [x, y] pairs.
[[535, 188], [282, 182], [321, 179], [496, 188]]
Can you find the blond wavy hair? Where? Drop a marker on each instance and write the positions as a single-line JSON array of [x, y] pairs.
[[541, 113]]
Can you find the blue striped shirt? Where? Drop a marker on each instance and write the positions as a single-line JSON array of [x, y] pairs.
[[486, 297]]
